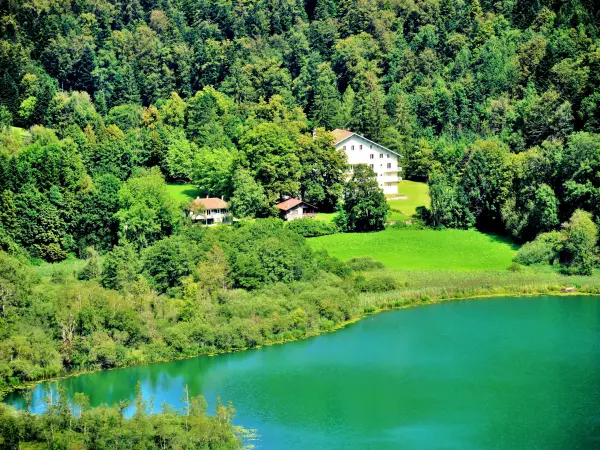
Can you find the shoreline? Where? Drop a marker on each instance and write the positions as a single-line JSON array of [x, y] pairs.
[[400, 303]]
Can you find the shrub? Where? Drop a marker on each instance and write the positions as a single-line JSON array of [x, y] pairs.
[[545, 249], [376, 284], [412, 224], [332, 265], [515, 267], [311, 227], [364, 264], [93, 267]]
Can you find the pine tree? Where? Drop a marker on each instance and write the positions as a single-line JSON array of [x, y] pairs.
[[348, 99], [325, 9], [9, 94], [325, 109], [82, 71], [369, 116], [126, 89]]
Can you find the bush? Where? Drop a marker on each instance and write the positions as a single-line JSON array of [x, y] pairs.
[[545, 249], [413, 224], [93, 266], [376, 284], [515, 267], [364, 264], [311, 227], [332, 265]]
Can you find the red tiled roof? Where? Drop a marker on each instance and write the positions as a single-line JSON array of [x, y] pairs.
[[341, 135], [290, 203], [210, 203]]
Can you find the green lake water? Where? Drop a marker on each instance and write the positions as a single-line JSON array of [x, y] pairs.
[[503, 373]]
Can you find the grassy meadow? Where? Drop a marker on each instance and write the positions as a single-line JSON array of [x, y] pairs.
[[402, 205], [416, 193], [182, 192], [407, 249]]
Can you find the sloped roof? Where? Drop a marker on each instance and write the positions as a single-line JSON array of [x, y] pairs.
[[290, 203], [210, 203], [341, 135]]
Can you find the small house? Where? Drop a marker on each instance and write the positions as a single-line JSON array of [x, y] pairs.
[[210, 211], [292, 209]]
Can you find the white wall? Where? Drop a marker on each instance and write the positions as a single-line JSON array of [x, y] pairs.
[[387, 177]]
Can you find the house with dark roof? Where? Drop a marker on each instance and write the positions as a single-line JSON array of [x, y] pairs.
[[292, 209], [210, 211], [360, 150]]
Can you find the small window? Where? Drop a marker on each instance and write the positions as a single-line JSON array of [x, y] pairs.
[[388, 155], [344, 148], [371, 165], [381, 155], [389, 165], [371, 146], [360, 147], [352, 148], [372, 156]]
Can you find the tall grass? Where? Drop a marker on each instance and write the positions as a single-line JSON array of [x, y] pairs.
[[434, 286]]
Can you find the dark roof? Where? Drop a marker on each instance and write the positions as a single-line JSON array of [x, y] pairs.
[[290, 203]]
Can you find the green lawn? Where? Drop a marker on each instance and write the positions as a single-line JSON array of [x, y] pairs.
[[417, 195], [422, 249], [325, 217], [182, 192]]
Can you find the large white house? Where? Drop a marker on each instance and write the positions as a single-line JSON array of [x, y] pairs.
[[383, 161]]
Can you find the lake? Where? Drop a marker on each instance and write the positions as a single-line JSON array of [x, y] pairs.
[[504, 373]]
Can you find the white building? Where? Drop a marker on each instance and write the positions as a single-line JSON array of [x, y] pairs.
[[210, 211], [383, 161]]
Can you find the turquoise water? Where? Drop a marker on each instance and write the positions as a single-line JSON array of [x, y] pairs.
[[502, 373]]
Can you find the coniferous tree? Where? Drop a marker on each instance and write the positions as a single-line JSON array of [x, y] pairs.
[[369, 117], [326, 105], [9, 94], [347, 107], [82, 77]]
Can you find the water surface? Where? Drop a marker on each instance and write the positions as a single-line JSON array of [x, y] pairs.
[[500, 373]]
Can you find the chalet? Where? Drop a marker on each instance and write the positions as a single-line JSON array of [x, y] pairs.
[[383, 161], [210, 211], [292, 209]]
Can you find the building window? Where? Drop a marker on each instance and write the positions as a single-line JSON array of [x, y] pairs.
[[381, 155], [371, 166], [372, 156], [371, 146], [389, 165], [352, 148], [388, 155], [360, 147], [344, 148]]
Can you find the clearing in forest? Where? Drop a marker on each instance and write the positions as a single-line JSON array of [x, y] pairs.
[[422, 249]]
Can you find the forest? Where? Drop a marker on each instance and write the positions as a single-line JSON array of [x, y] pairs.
[[100, 99], [496, 104]]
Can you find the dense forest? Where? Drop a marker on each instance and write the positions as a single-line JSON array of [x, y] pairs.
[[495, 104]]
